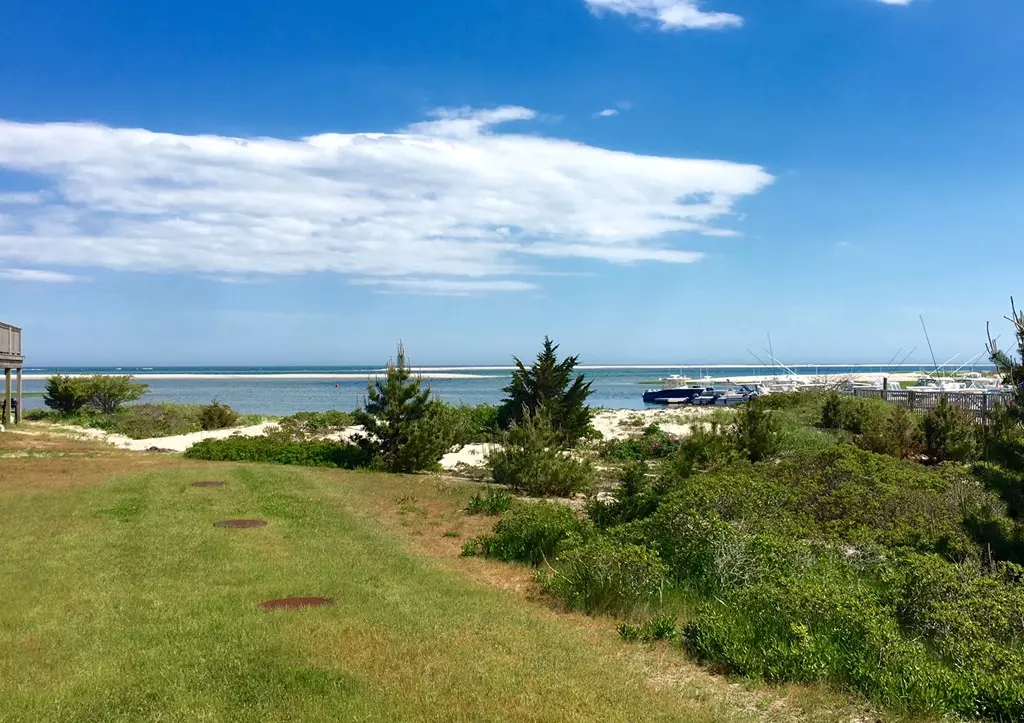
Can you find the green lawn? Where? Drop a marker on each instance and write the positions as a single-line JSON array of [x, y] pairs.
[[122, 602]]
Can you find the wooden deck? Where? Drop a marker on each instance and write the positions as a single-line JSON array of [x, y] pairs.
[[11, 357]]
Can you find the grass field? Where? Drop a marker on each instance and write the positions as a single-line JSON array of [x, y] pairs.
[[122, 602]]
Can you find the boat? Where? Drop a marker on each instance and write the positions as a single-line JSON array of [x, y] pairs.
[[674, 390]]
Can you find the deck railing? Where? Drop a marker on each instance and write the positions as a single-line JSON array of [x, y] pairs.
[[921, 401], [10, 340]]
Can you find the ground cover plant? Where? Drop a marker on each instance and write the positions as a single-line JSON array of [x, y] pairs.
[[145, 421]]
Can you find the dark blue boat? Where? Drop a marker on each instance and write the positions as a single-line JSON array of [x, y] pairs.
[[674, 394]]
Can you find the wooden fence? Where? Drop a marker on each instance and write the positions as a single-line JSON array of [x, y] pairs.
[[10, 343], [977, 402]]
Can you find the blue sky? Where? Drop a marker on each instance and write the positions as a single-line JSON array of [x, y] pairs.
[[647, 181]]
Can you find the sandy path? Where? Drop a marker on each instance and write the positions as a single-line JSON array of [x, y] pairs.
[[178, 443]]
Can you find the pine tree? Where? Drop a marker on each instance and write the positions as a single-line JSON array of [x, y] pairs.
[[548, 385], [402, 427], [1011, 368]]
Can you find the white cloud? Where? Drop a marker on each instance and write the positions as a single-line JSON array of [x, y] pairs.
[[670, 14], [449, 287], [38, 275], [606, 113], [443, 201], [895, 2]]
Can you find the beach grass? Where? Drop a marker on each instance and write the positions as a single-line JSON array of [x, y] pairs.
[[122, 602]]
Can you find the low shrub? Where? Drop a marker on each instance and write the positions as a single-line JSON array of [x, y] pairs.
[[842, 494], [493, 503], [950, 433], [530, 533], [660, 627], [898, 435], [707, 447], [140, 421], [652, 444], [852, 414], [471, 425], [601, 575], [305, 425], [530, 462], [633, 499], [756, 431], [217, 416], [274, 451], [825, 627]]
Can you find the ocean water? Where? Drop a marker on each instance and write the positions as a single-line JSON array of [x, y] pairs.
[[618, 388]]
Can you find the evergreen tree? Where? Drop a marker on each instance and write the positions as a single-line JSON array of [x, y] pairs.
[[403, 428], [1010, 367], [548, 385]]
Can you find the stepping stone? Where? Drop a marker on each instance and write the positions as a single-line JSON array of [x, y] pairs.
[[207, 483], [241, 524], [293, 603]]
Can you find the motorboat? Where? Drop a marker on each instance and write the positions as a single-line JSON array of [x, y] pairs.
[[674, 390]]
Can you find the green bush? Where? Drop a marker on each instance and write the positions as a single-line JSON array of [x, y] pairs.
[[108, 393], [841, 493], [471, 425], [707, 447], [852, 414], [530, 462], [305, 425], [1004, 439], [825, 627], [65, 394], [530, 533], [950, 433], [494, 503], [652, 444], [757, 432], [217, 416], [633, 499], [602, 575], [898, 435], [274, 451]]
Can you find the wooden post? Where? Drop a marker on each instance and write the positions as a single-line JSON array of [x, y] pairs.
[[21, 399], [7, 396], [911, 394]]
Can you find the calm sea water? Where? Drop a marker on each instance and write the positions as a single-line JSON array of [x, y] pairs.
[[613, 388]]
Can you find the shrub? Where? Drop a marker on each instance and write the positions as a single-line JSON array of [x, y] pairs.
[[607, 576], [652, 444], [471, 425], [828, 626], [840, 493], [217, 416], [403, 428], [304, 425], [549, 383], [530, 533], [756, 432], [108, 393], [494, 503], [1004, 439], [950, 433], [528, 461], [66, 394], [274, 451], [852, 414], [633, 499], [661, 627], [707, 447]]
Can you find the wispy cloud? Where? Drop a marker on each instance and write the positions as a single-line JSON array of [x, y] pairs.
[[449, 287], [37, 275], [895, 2], [669, 14], [443, 201], [606, 113]]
